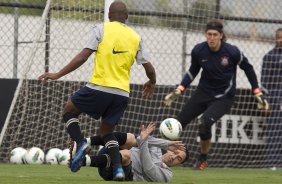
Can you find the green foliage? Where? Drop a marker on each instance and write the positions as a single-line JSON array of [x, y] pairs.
[[34, 2], [201, 10], [198, 13], [57, 174], [81, 5], [24, 11]]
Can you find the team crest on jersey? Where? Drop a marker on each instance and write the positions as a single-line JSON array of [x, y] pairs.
[[224, 61]]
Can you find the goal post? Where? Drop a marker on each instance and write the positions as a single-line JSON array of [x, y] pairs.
[[106, 9], [27, 67], [244, 137]]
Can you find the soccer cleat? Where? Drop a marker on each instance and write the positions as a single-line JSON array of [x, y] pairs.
[[77, 154], [72, 149], [200, 165], [118, 174]]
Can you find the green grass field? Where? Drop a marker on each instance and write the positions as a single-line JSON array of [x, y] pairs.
[[48, 174]]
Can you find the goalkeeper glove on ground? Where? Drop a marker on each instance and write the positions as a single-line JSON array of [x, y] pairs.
[[262, 102], [171, 97]]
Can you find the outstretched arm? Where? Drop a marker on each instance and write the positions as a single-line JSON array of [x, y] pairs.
[[252, 77], [76, 62], [153, 169], [249, 71], [185, 82], [165, 144]]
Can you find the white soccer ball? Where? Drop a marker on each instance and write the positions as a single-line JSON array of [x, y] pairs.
[[170, 129], [34, 155], [64, 157], [16, 155], [52, 156]]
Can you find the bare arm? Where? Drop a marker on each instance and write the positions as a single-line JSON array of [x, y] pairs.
[[76, 62], [150, 72], [149, 87]]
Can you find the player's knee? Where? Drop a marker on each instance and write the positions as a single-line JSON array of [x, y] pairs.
[[182, 121], [205, 129], [130, 141], [69, 118], [126, 157], [110, 141]]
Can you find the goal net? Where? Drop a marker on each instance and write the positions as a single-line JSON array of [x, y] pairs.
[[245, 137]]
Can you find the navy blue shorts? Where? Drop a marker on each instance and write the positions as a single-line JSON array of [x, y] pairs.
[[100, 104], [107, 173]]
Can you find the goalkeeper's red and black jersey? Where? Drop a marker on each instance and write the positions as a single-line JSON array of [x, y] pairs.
[[218, 77]]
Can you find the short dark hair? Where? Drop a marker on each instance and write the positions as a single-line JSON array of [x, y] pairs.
[[216, 25]]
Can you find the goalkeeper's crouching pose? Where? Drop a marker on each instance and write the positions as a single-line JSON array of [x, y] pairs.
[[215, 93], [144, 161]]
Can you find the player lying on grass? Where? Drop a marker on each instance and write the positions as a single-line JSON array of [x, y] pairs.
[[145, 162]]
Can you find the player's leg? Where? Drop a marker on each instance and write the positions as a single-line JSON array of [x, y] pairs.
[[111, 144], [195, 106], [103, 162], [102, 159], [109, 120], [214, 112], [105, 170], [70, 117], [125, 140], [127, 164], [130, 141], [91, 102]]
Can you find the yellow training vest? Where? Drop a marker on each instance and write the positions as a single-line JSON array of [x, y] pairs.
[[115, 56]]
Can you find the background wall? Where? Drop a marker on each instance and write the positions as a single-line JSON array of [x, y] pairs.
[[8, 87]]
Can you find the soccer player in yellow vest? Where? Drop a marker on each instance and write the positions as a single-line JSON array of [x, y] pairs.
[[106, 94]]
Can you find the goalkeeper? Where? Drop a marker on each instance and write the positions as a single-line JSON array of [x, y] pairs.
[[145, 162], [215, 93]]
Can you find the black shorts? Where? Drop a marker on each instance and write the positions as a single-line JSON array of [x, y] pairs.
[[100, 104], [107, 173], [202, 103]]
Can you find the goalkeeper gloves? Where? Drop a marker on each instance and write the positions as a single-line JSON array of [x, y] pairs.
[[171, 97], [262, 102]]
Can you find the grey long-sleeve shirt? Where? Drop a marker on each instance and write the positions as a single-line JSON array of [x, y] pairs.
[[147, 162]]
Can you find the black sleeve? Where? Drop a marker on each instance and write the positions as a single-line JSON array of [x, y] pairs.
[[192, 72], [249, 71]]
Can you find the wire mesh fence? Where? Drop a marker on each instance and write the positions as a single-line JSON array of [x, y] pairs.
[[170, 29]]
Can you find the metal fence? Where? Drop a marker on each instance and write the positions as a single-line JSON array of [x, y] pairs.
[[169, 28]]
